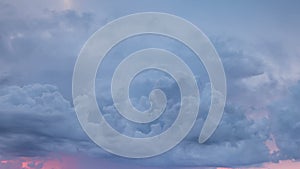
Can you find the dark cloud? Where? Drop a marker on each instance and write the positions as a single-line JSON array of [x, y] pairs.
[[285, 124], [37, 120], [237, 137]]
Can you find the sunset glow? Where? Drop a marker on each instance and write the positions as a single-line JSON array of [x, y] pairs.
[[72, 162], [66, 162]]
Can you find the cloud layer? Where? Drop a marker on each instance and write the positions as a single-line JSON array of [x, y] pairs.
[[39, 44]]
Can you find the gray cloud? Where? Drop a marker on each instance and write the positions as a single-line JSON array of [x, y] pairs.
[[37, 120], [39, 44], [285, 124], [237, 137], [50, 41]]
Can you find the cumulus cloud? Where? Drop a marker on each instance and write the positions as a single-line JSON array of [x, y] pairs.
[[37, 120], [38, 106], [39, 44], [237, 141], [285, 124]]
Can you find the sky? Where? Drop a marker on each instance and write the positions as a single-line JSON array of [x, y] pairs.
[[257, 42]]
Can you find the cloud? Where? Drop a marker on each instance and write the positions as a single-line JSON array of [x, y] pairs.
[[285, 124], [237, 141], [39, 44], [49, 118], [50, 40], [37, 120]]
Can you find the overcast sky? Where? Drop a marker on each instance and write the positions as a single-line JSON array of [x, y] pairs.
[[257, 41]]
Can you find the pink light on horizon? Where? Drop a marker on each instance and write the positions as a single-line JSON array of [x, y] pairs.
[[286, 164], [76, 162], [64, 162]]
